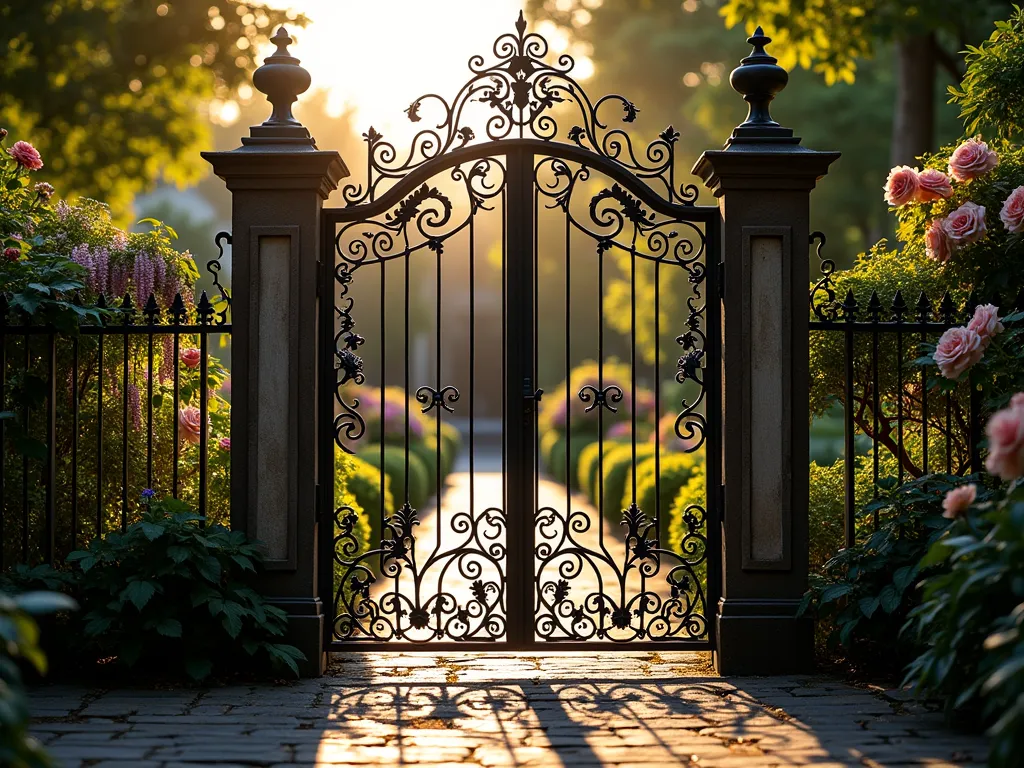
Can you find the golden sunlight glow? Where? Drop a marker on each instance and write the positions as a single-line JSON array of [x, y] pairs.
[[374, 58]]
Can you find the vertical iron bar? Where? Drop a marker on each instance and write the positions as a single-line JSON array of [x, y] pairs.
[[472, 366], [899, 397], [25, 513], [632, 358], [99, 433], [949, 435], [568, 374], [74, 443], [204, 405], [521, 437], [924, 409], [849, 459], [974, 423], [658, 523], [149, 403], [177, 403], [51, 447], [125, 429]]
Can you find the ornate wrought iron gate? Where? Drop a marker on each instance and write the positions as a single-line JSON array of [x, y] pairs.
[[517, 258]]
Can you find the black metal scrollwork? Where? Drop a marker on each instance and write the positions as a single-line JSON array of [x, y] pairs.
[[213, 266], [823, 294], [601, 397], [431, 398], [517, 95]]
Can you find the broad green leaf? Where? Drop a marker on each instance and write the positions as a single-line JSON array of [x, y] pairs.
[[139, 592]]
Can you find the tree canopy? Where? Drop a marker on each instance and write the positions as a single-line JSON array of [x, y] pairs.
[[108, 90]]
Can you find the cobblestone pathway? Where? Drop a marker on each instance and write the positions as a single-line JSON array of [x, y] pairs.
[[621, 709]]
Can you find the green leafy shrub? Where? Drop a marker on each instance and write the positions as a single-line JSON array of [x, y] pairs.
[[654, 494], [618, 469], [970, 623], [548, 443], [864, 592], [394, 469], [426, 451], [19, 644], [169, 592]]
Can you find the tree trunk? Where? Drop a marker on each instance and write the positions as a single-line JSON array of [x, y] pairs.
[[913, 126]]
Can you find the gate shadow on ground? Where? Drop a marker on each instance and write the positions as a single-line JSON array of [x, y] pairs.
[[553, 710], [498, 713]]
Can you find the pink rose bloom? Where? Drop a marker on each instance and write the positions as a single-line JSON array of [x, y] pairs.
[[959, 500], [937, 242], [1012, 213], [1005, 432], [225, 443], [958, 349], [986, 323], [26, 155], [972, 159], [966, 224], [190, 423], [190, 357], [901, 186], [932, 184]]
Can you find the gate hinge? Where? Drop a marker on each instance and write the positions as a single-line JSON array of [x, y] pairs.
[[721, 280]]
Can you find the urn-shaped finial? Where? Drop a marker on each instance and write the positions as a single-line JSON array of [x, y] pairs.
[[282, 80], [758, 78]]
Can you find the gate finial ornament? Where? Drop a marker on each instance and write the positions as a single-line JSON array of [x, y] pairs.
[[757, 79], [282, 79]]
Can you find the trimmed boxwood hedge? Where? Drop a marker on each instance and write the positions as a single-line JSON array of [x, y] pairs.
[[675, 470], [394, 468], [618, 465], [548, 443]]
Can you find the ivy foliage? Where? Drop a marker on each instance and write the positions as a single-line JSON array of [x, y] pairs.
[[170, 590]]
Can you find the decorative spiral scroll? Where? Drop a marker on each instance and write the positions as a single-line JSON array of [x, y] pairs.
[[432, 398], [616, 612], [515, 96], [601, 397], [213, 266], [417, 615], [823, 295], [349, 425]]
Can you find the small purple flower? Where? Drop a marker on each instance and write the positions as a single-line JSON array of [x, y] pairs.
[[148, 494]]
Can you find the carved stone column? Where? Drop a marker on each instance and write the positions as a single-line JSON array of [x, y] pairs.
[[279, 181], [763, 180]]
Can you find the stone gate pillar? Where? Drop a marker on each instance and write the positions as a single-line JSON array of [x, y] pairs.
[[278, 180], [763, 180]]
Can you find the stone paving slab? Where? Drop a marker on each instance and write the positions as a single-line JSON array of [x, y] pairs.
[[628, 710]]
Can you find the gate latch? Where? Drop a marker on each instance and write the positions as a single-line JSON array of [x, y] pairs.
[[530, 396]]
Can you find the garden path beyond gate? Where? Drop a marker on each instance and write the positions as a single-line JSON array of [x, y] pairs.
[[527, 298]]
